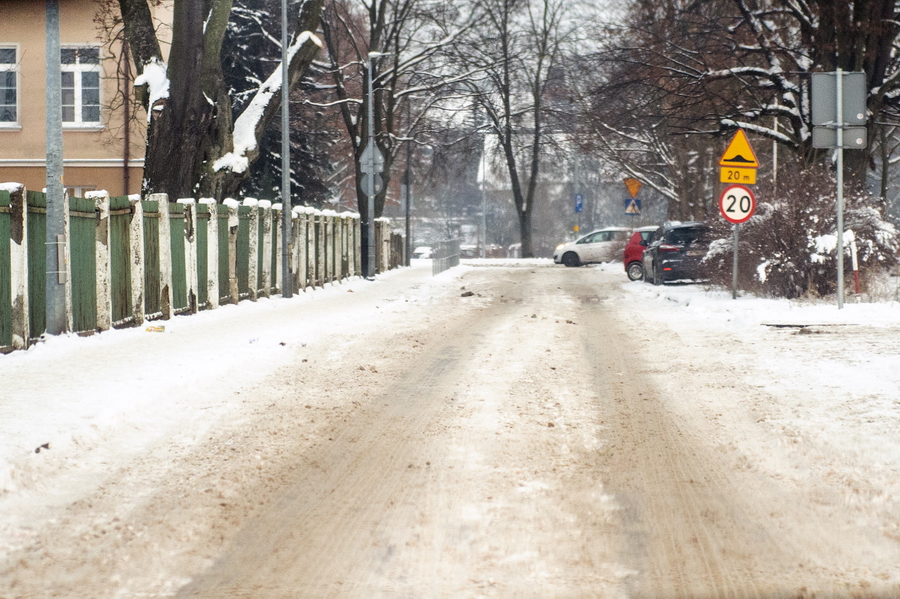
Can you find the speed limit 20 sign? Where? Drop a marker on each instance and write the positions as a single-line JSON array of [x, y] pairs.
[[737, 204]]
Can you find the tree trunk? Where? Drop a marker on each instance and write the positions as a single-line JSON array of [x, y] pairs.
[[193, 127]]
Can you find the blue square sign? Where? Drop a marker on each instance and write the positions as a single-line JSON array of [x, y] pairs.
[[632, 206]]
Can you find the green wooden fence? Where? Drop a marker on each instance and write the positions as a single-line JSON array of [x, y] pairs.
[[149, 273]]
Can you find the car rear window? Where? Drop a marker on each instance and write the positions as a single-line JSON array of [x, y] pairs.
[[684, 235]]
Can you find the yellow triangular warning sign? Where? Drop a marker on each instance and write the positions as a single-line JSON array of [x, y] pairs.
[[739, 153], [634, 186]]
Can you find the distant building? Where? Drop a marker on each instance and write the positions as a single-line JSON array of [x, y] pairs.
[[103, 132]]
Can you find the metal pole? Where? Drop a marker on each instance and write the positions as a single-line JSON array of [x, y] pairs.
[[370, 175], [56, 240], [734, 265], [287, 280], [406, 186], [483, 199], [775, 156], [840, 190]]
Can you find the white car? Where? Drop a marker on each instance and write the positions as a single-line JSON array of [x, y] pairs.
[[599, 246], [423, 252]]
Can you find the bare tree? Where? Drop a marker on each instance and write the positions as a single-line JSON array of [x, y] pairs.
[[516, 51], [195, 146], [405, 39], [715, 65]]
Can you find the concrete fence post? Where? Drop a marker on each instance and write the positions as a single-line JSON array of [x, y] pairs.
[[253, 259], [329, 248], [311, 245], [267, 213], [136, 255], [18, 254], [297, 249], [166, 297], [190, 252], [320, 251], [357, 246], [232, 205], [101, 253], [301, 241], [212, 253]]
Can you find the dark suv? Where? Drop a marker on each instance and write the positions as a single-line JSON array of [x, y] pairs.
[[675, 252]]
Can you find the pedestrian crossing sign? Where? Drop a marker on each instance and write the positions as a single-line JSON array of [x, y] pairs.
[[632, 206]]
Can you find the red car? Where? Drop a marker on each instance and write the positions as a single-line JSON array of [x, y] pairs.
[[634, 251]]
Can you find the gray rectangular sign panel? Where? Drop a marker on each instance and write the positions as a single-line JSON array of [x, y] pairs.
[[823, 97], [855, 138]]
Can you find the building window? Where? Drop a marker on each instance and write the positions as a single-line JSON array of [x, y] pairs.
[[78, 191], [9, 113], [80, 86]]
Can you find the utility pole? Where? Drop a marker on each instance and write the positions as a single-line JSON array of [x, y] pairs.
[[56, 194]]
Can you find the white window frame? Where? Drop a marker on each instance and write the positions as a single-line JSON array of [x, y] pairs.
[[78, 191], [6, 68], [78, 69]]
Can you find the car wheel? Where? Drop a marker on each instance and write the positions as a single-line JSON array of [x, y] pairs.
[[570, 259], [635, 271], [656, 276]]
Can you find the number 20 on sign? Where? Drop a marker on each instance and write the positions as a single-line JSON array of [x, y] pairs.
[[737, 204]]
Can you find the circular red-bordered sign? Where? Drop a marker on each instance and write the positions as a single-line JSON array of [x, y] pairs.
[[737, 204]]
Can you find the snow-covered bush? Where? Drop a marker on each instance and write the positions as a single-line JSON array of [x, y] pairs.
[[788, 248]]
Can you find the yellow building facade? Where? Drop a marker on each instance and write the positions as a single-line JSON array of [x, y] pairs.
[[103, 131]]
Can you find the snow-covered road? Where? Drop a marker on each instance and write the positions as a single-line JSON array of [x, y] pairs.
[[561, 432]]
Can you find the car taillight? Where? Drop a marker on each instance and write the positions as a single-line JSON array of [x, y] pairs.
[[669, 248]]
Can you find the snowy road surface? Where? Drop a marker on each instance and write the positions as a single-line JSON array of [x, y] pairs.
[[555, 433]]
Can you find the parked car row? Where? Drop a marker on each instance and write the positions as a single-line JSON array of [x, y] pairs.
[[669, 252]]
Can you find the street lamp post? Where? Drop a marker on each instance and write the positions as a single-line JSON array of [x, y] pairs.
[[56, 320], [370, 172], [370, 161], [287, 280]]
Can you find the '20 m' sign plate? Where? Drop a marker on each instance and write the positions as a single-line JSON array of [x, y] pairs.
[[737, 204]]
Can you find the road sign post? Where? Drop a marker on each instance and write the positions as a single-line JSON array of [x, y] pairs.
[[632, 204], [736, 204], [838, 102], [738, 163]]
